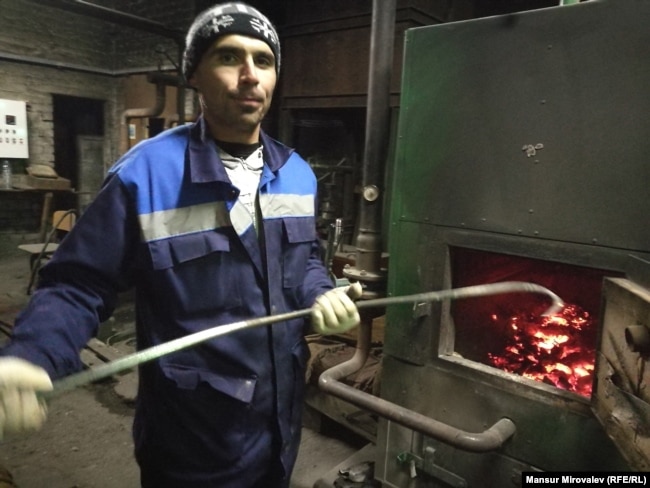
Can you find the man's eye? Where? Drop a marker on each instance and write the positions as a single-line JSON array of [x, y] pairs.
[[228, 58], [265, 61]]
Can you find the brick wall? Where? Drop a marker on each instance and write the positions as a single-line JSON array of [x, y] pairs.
[[46, 51], [20, 213], [36, 84], [136, 48]]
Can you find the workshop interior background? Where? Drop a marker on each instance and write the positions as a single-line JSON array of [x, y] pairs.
[[94, 82], [517, 147]]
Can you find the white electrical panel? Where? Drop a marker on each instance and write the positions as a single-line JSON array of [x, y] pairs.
[[13, 129]]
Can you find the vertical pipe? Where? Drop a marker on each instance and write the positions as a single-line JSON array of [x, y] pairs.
[[180, 90], [368, 240], [46, 213]]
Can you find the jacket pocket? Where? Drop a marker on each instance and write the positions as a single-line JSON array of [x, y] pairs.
[[300, 235], [166, 253], [199, 273], [191, 378]]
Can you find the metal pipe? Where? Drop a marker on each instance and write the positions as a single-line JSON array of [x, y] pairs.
[[49, 63], [153, 111], [19, 58], [180, 92], [129, 20], [139, 113], [488, 440], [335, 233], [368, 240], [123, 18], [114, 16], [161, 80], [45, 214], [469, 292], [130, 361]]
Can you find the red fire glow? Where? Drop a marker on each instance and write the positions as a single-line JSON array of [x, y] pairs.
[[551, 349]]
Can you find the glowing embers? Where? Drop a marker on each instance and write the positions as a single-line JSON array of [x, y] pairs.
[[508, 331], [557, 350]]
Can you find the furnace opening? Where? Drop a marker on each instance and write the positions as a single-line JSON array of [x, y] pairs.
[[509, 332]]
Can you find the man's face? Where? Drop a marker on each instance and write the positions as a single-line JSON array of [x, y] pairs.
[[235, 79]]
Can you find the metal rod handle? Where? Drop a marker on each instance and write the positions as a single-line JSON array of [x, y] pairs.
[[470, 291], [132, 360]]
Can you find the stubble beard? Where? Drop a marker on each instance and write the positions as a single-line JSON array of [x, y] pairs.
[[242, 120]]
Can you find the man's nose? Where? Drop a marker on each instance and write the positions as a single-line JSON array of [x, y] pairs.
[[248, 72]]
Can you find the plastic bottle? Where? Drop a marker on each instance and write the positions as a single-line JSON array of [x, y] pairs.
[[6, 174]]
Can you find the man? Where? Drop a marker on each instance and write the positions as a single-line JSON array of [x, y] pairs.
[[211, 223]]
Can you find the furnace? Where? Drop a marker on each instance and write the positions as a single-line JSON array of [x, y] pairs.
[[522, 155], [510, 333]]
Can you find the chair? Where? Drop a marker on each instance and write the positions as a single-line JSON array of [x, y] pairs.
[[40, 253]]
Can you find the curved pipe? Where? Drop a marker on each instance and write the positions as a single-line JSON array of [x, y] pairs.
[[153, 111], [488, 440], [106, 14], [138, 113], [161, 80]]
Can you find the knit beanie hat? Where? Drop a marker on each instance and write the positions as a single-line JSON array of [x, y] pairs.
[[222, 19]]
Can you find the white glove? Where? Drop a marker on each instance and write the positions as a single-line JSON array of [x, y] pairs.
[[334, 312], [20, 408]]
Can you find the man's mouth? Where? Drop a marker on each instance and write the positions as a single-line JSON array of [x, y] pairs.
[[248, 99]]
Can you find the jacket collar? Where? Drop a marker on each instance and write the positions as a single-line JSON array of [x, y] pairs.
[[206, 165]]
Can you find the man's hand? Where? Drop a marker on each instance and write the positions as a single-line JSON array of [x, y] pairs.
[[334, 312], [20, 408]]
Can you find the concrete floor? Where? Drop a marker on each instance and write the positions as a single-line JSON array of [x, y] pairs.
[[86, 442]]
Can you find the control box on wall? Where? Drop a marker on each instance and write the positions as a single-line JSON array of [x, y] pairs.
[[13, 129]]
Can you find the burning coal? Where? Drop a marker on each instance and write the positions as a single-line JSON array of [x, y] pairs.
[[557, 350]]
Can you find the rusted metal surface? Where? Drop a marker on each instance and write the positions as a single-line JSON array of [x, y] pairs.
[[622, 394]]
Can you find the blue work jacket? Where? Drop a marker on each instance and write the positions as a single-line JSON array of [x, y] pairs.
[[167, 223]]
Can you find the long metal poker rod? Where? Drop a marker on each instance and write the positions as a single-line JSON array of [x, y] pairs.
[[132, 360]]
